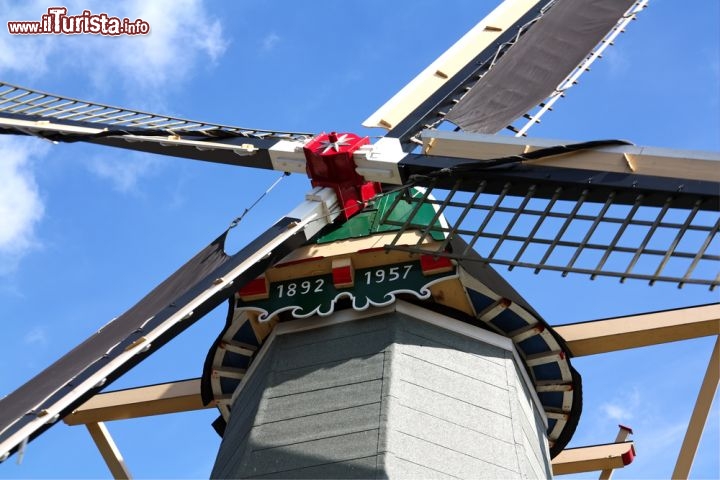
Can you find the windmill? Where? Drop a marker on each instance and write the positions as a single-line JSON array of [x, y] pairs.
[[166, 141]]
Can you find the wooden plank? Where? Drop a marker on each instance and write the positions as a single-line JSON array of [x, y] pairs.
[[159, 399], [601, 336], [622, 436], [593, 458], [699, 416], [109, 451], [661, 162]]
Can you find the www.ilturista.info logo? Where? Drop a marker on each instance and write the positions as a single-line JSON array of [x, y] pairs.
[[57, 21]]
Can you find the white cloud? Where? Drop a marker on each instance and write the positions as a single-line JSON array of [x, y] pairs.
[[616, 61], [184, 36], [622, 409], [25, 54], [661, 437], [269, 42], [616, 412], [21, 207], [124, 171], [36, 336]]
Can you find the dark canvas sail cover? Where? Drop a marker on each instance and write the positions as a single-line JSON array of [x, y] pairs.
[[26, 402], [532, 68], [194, 284]]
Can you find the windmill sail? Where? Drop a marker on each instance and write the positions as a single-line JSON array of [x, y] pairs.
[[183, 298], [25, 111], [596, 208], [558, 41], [510, 62]]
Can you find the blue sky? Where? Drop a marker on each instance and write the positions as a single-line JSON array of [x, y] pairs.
[[87, 231]]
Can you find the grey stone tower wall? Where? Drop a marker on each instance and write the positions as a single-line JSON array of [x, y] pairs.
[[384, 397]]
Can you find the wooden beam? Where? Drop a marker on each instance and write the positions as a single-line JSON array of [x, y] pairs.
[[601, 336], [448, 64], [159, 399], [109, 451], [661, 162], [622, 435], [593, 458], [699, 416]]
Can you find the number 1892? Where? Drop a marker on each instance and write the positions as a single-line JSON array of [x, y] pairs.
[[305, 287]]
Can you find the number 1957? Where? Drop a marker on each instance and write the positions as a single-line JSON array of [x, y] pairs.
[[391, 274]]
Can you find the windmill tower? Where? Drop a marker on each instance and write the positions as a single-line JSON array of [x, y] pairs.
[[435, 143]]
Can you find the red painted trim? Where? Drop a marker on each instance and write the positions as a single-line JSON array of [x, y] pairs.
[[343, 276], [371, 250], [330, 163], [254, 288], [295, 262], [629, 456], [430, 264], [627, 429]]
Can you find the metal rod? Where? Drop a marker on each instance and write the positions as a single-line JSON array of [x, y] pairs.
[[384, 217], [564, 228], [78, 105], [557, 268], [131, 122], [487, 218], [453, 231], [513, 220], [537, 225], [24, 102], [438, 212], [84, 112], [34, 105], [103, 115], [677, 239], [53, 107], [413, 212], [648, 236], [618, 234], [591, 218], [563, 243], [701, 253], [12, 101], [590, 231]]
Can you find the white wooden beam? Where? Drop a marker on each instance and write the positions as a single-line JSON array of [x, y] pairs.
[[109, 451], [661, 162], [622, 436], [699, 415], [609, 335], [593, 458], [159, 399]]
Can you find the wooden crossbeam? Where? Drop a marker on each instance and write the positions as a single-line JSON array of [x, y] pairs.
[[158, 399], [601, 336], [593, 458], [660, 162], [109, 451], [622, 436], [699, 416]]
